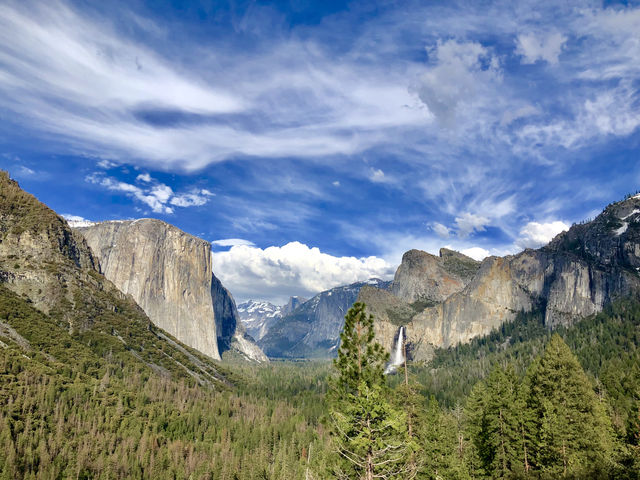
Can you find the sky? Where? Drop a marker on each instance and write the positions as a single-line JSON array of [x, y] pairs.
[[313, 142]]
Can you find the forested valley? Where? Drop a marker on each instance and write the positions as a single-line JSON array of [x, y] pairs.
[[521, 403]]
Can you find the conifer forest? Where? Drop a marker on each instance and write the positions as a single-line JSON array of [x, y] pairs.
[[527, 403]]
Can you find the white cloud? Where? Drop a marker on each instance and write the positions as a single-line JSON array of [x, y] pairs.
[[336, 183], [510, 116], [441, 230], [534, 234], [547, 46], [144, 177], [377, 176], [460, 74], [25, 171], [155, 195], [232, 242], [467, 223], [106, 164], [477, 253], [194, 199], [93, 84], [275, 273]]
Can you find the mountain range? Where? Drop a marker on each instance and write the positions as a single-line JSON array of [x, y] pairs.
[[312, 329], [447, 299], [165, 275], [259, 316], [578, 273]]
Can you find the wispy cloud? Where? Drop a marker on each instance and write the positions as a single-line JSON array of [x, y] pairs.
[[545, 46], [452, 122], [160, 198], [232, 242]]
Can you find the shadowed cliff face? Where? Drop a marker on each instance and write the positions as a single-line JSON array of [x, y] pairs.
[[169, 274], [231, 333], [578, 273]]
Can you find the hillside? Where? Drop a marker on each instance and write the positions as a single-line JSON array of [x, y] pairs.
[[46, 266]]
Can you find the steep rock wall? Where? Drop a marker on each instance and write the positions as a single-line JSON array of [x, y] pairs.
[[166, 271]]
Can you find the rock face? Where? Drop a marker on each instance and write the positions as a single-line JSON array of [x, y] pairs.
[[575, 275], [313, 328], [166, 271], [389, 313], [169, 274], [231, 333], [425, 277], [293, 303]]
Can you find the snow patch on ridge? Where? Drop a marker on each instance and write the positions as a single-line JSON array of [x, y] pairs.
[[635, 210], [622, 229]]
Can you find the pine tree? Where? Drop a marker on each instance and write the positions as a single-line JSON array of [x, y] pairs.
[[504, 421], [477, 455], [572, 435], [370, 434]]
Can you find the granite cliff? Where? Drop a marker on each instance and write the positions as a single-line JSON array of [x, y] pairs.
[[169, 274], [573, 276], [425, 277]]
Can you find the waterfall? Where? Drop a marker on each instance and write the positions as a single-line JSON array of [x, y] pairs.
[[397, 358]]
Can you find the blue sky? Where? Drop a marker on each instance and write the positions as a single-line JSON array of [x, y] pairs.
[[315, 142]]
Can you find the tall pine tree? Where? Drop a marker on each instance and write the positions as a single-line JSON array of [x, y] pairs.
[[572, 435], [370, 434]]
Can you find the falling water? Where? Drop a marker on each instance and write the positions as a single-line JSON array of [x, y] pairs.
[[398, 358]]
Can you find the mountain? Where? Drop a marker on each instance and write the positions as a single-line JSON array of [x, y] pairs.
[[259, 316], [312, 330], [427, 278], [60, 311], [575, 275], [169, 273]]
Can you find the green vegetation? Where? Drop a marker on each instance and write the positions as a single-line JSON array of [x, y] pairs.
[[460, 265], [519, 403], [369, 432]]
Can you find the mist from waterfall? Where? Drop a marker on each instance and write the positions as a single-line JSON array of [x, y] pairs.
[[397, 358]]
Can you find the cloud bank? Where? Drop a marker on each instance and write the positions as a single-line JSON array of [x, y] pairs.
[[275, 273]]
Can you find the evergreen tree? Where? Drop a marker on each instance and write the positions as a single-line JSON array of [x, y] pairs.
[[370, 434], [477, 455], [504, 424], [572, 435]]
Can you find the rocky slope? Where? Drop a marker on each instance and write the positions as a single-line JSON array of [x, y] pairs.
[[425, 277], [313, 328], [169, 274], [49, 271], [259, 316], [578, 273]]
